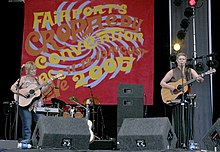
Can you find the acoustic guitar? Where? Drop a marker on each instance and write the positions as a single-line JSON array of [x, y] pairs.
[[32, 92], [168, 95]]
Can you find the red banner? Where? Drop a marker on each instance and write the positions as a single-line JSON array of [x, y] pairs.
[[96, 45]]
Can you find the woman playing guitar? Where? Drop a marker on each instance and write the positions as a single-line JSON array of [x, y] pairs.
[[29, 97], [171, 83], [172, 89]]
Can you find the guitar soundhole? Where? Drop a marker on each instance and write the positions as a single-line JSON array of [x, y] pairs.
[[175, 91], [31, 92], [179, 87]]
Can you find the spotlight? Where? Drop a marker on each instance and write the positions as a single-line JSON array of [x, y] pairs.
[[177, 2], [181, 34], [176, 47], [184, 23], [189, 65], [212, 64], [173, 57], [188, 12], [200, 67], [192, 3]]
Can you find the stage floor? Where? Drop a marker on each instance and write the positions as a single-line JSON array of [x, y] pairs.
[[97, 146]]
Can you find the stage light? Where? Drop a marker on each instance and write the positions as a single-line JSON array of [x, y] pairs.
[[212, 63], [192, 3], [172, 57], [181, 34], [176, 47], [190, 65], [177, 2], [184, 23], [199, 67], [188, 12]]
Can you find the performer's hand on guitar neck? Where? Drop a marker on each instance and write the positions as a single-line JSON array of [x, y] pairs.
[[199, 79]]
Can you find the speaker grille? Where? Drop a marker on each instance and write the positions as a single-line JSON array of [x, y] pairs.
[[129, 108], [131, 90], [130, 102], [61, 132], [212, 137], [146, 134]]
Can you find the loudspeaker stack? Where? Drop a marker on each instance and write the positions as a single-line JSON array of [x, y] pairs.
[[130, 102]]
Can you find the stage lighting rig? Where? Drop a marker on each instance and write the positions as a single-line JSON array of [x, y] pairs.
[[184, 23], [192, 3], [177, 47], [177, 2], [189, 11], [181, 34]]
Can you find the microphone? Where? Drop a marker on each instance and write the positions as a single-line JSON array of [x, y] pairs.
[[181, 65]]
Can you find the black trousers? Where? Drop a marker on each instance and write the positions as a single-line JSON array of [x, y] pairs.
[[183, 122]]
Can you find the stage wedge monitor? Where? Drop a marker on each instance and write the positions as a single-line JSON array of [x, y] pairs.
[[62, 132], [211, 139], [146, 134]]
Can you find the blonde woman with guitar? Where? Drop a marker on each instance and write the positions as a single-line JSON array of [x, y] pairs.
[[28, 91]]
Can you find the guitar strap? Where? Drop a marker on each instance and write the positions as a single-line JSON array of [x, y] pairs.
[[38, 83], [37, 80], [20, 85]]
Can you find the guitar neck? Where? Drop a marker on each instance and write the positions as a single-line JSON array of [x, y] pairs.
[[194, 79], [43, 84], [188, 82], [40, 86]]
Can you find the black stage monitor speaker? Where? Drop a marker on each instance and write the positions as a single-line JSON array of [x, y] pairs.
[[211, 139], [129, 108], [62, 132], [146, 134], [130, 102], [131, 90], [8, 144]]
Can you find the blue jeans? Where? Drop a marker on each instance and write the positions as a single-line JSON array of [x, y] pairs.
[[27, 117]]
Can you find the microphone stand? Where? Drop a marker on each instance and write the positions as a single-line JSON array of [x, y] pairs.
[[45, 96], [183, 108], [93, 108], [17, 105], [103, 123]]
